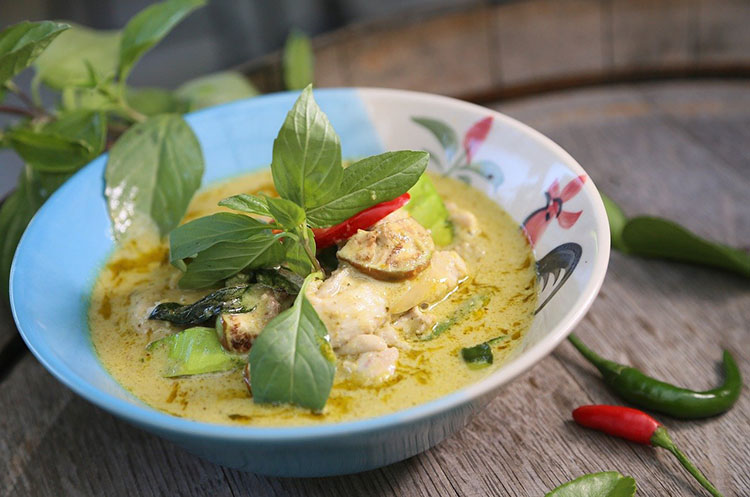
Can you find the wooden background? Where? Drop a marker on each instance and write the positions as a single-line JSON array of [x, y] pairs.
[[676, 148]]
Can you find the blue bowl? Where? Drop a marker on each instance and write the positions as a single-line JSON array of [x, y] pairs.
[[70, 239]]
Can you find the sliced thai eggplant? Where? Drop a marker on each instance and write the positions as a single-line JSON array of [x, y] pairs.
[[238, 331], [390, 251], [194, 351]]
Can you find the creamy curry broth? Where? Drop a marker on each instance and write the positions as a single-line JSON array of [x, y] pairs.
[[139, 274]]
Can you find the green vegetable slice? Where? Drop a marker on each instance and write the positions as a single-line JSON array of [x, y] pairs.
[[604, 484], [617, 222], [292, 360], [195, 351], [464, 310], [480, 356], [427, 207]]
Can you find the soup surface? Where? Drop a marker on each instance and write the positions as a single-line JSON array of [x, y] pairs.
[[138, 275]]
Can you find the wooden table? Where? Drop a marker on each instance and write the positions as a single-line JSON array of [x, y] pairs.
[[676, 149]]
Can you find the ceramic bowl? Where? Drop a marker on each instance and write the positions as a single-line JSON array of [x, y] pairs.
[[532, 178]]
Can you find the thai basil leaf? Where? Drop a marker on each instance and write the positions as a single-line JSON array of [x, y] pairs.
[[72, 140], [195, 351], [48, 152], [617, 222], [444, 134], [227, 299], [191, 238], [369, 182], [22, 43], [215, 89], [655, 237], [153, 170], [252, 204], [73, 98], [463, 311], [148, 27], [306, 163], [427, 208], [292, 360], [285, 212], [69, 60], [226, 259], [298, 61], [154, 101], [296, 258], [604, 484]]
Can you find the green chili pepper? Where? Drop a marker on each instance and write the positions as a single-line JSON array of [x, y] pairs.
[[650, 393]]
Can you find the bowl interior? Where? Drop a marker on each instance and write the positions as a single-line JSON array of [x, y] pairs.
[[540, 185]]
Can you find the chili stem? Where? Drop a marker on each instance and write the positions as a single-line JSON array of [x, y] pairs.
[[661, 438]]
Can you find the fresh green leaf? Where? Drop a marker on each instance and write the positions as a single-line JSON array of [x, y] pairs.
[[215, 89], [427, 208], [148, 27], [48, 152], [252, 204], [71, 58], [298, 61], [463, 311], [604, 484], [195, 351], [285, 212], [655, 237], [227, 299], [200, 234], [617, 222], [306, 163], [369, 182], [292, 360], [225, 259], [296, 258], [153, 170], [22, 43], [154, 101], [444, 134]]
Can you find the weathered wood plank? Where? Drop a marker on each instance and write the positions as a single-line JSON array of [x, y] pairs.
[[723, 34], [547, 38]]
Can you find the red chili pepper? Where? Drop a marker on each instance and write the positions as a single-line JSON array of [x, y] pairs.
[[637, 426], [325, 237]]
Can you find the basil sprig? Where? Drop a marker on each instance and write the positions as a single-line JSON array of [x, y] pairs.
[[655, 237], [315, 191]]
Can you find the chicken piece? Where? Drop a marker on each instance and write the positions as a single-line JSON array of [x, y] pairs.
[[237, 332], [363, 343], [463, 219], [393, 250], [352, 304], [414, 322], [375, 367]]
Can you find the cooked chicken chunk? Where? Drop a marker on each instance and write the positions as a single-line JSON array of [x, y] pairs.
[[353, 305], [237, 332], [392, 250], [414, 322], [463, 219]]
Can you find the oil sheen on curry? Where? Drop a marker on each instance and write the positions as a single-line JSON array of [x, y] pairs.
[[399, 303]]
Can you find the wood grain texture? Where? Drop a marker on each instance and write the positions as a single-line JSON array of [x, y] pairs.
[[677, 150]]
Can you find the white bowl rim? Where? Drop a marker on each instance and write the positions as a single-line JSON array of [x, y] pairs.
[[149, 417]]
